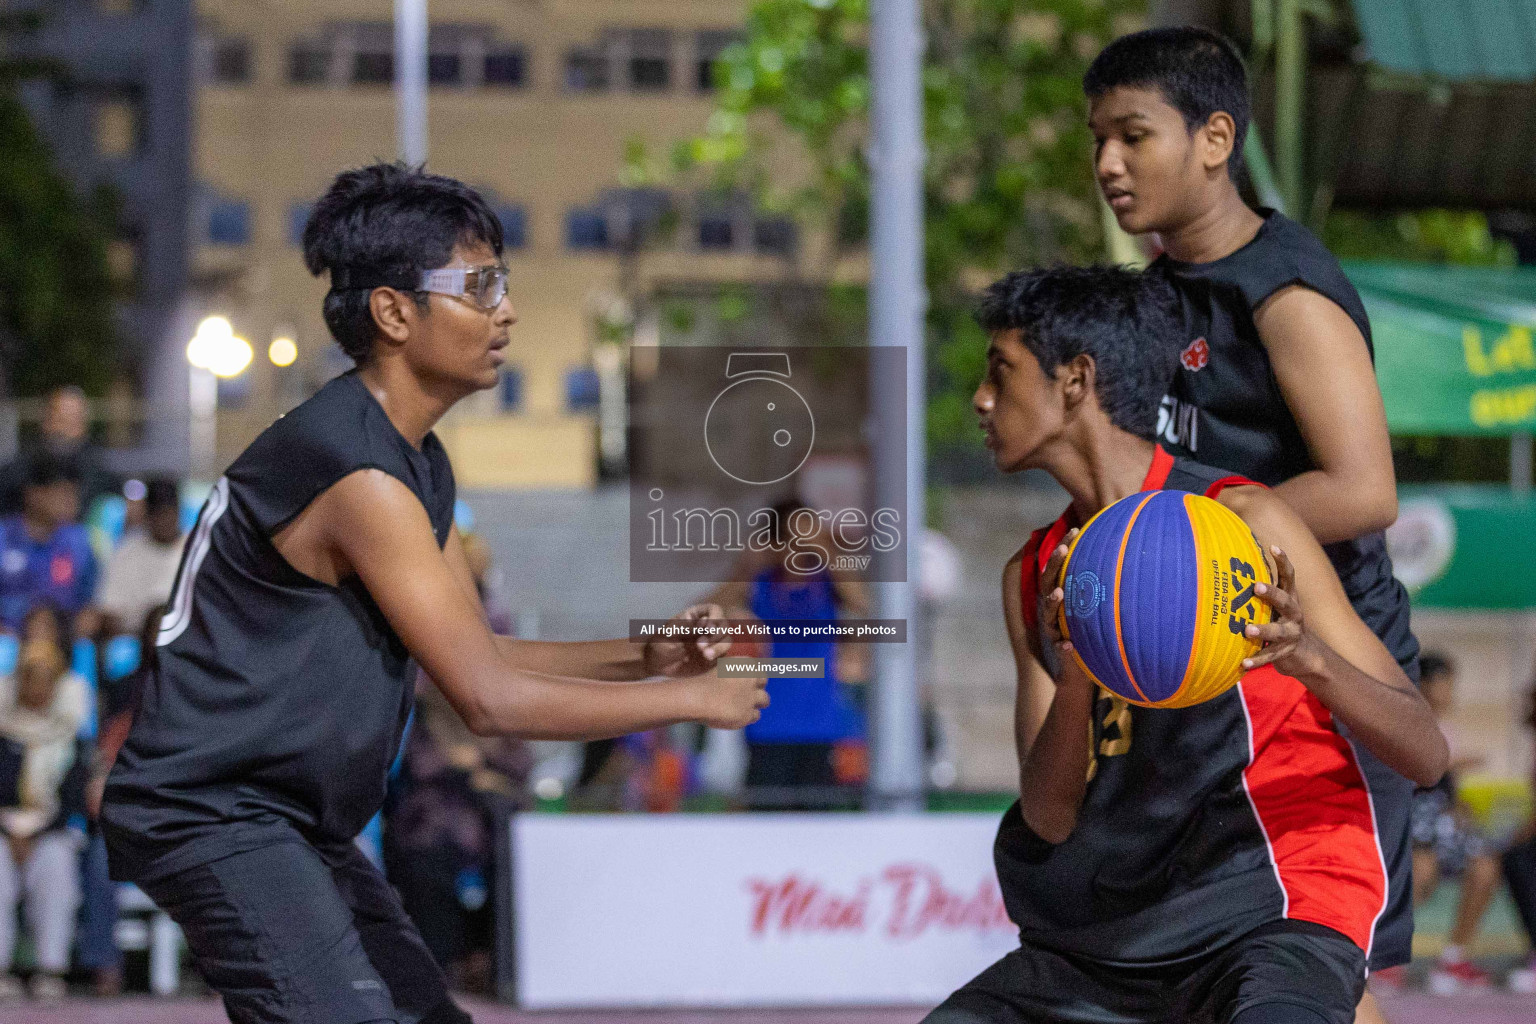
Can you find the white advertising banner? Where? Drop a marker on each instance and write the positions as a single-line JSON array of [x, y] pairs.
[[753, 909]]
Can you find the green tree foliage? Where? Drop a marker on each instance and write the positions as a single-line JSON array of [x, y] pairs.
[[1421, 236], [1008, 181], [56, 306]]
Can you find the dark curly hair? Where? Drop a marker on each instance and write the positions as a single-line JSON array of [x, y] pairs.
[[1126, 320], [384, 225]]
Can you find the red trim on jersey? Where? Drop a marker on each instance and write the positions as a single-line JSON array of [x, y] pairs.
[[1311, 801], [1216, 488], [1162, 465], [1037, 552], [1043, 541]]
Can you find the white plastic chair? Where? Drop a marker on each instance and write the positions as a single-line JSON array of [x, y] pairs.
[[159, 934]]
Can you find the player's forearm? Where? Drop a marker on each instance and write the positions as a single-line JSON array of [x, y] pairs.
[[1053, 774], [607, 660], [1029, 712], [1394, 724], [536, 706], [1336, 508]]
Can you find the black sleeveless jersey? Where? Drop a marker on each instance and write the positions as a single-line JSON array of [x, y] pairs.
[[277, 702], [1225, 408], [1198, 824]]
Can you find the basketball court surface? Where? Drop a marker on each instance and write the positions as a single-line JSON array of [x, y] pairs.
[[1492, 1008]]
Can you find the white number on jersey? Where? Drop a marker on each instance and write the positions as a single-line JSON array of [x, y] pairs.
[[179, 614]]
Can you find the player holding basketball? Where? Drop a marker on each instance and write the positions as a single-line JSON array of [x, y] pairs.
[[322, 564], [1275, 378], [1217, 863]]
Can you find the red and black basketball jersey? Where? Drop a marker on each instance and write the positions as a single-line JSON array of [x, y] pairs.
[[1199, 824]]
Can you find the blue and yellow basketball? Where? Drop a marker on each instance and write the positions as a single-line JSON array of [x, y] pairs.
[[1159, 591]]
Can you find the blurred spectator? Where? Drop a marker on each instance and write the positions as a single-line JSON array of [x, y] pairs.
[[441, 817], [1447, 842], [120, 697], [45, 554], [142, 570], [43, 768], [440, 832], [647, 771], [1520, 873], [96, 946], [478, 554], [806, 749], [63, 437]]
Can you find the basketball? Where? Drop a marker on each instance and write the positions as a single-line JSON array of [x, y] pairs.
[[1158, 591]]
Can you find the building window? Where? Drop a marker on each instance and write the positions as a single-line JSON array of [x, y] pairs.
[[510, 389], [309, 62], [373, 67], [514, 225], [125, 258], [586, 228], [232, 61], [229, 222], [586, 69], [582, 389], [222, 61], [363, 53], [650, 59], [723, 220], [506, 67], [707, 48], [775, 236], [119, 126], [716, 232], [444, 69], [298, 220]]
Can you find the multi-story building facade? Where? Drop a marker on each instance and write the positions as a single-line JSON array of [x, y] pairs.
[[118, 114], [531, 100]]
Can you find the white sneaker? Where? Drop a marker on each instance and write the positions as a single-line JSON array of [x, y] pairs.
[[1522, 979], [1458, 977], [11, 991]]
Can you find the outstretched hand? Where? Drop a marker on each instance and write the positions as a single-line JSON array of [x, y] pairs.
[[690, 655], [1289, 645]]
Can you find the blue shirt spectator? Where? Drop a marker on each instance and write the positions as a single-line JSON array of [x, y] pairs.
[[790, 749], [802, 710], [45, 554]]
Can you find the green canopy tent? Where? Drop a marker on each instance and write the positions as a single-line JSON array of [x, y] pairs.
[[1454, 348], [1455, 356]]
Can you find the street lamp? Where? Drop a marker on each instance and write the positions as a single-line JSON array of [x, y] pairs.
[[214, 352], [283, 351]]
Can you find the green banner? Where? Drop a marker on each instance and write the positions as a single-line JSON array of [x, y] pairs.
[[1454, 346], [1465, 546]]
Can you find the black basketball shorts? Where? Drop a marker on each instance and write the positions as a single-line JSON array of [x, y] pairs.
[[1289, 972], [291, 933]]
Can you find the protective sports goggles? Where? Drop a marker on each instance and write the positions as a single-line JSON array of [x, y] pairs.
[[484, 287]]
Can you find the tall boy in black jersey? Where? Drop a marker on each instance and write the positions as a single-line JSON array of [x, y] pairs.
[[1217, 863], [324, 562], [1274, 379]]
